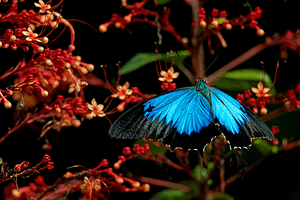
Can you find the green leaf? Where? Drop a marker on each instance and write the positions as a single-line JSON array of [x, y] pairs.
[[244, 79], [155, 150], [200, 173], [171, 194], [162, 2], [141, 59], [220, 196], [263, 146]]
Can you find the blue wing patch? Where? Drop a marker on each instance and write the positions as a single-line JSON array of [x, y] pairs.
[[185, 109], [228, 111]]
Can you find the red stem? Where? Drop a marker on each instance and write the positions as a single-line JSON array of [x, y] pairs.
[[164, 183], [28, 120], [246, 56]]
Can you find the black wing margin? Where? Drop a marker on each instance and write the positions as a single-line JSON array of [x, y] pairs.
[[255, 128]]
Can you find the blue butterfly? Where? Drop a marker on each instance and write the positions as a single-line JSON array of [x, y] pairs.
[[190, 118]]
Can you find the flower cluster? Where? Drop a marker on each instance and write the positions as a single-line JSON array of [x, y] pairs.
[[290, 41], [23, 169], [89, 183], [25, 22], [144, 151], [290, 100], [262, 95], [166, 76], [218, 20], [137, 9], [137, 13], [124, 93]]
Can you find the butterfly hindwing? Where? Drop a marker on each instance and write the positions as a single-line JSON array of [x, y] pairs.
[[238, 123]]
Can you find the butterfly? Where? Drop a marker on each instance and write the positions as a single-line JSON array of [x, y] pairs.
[[190, 117]]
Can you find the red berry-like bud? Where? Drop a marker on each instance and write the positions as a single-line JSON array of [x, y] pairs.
[[251, 101], [240, 97], [275, 141], [215, 12], [275, 130], [39, 180], [255, 110], [263, 111], [291, 94], [247, 93]]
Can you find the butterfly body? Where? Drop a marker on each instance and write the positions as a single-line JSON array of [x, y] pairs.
[[191, 117]]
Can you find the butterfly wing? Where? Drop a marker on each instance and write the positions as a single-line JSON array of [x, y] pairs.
[[176, 117], [238, 124]]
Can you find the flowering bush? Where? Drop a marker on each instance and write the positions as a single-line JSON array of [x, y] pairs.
[[60, 96]]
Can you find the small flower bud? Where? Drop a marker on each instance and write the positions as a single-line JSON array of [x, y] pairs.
[[9, 92], [90, 67], [55, 84], [44, 93], [68, 175], [185, 40], [76, 123], [136, 184], [67, 65], [12, 38], [119, 180], [48, 63], [76, 63], [1, 44], [16, 194], [14, 47], [47, 147], [89, 116], [5, 46], [117, 165], [45, 40], [72, 47], [78, 58], [53, 24], [146, 187], [228, 26], [7, 104], [32, 27], [263, 111], [203, 24], [40, 49], [127, 18], [58, 110], [84, 70], [118, 24], [260, 32], [214, 23], [255, 110], [102, 28]]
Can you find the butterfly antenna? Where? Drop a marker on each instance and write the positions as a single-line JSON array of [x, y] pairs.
[[212, 63], [187, 64], [193, 69]]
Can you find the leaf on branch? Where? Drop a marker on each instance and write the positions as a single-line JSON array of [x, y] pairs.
[[243, 79], [139, 60]]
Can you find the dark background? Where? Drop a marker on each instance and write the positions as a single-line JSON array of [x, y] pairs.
[[277, 178]]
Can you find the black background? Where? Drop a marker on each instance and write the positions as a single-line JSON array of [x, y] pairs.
[[277, 178]]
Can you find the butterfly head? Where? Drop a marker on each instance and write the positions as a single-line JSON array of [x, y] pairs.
[[200, 84]]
